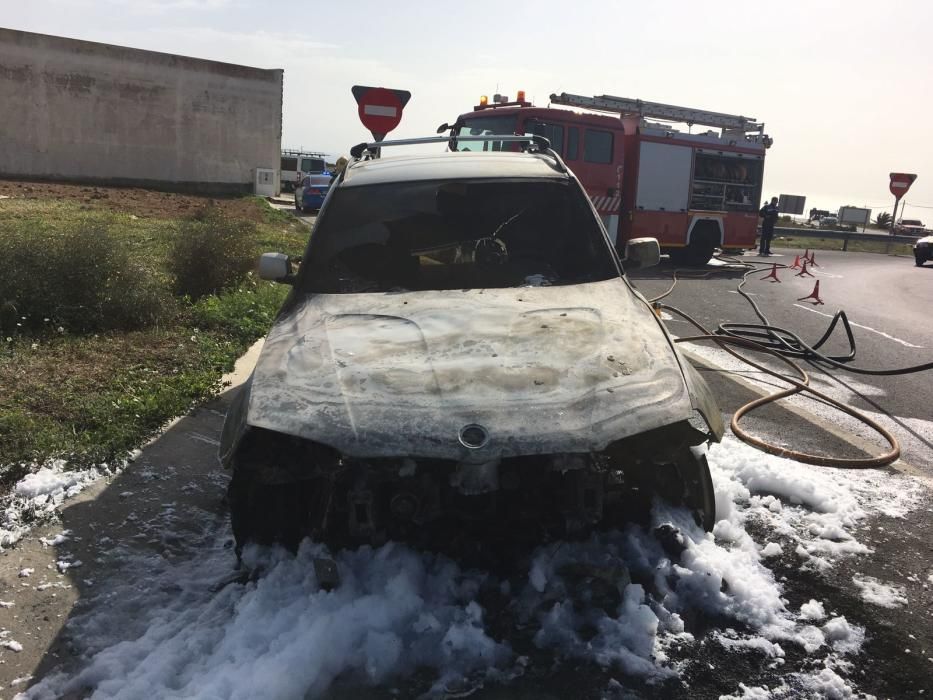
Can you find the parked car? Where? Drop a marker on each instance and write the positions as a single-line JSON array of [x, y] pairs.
[[311, 191], [910, 227], [461, 355], [829, 221], [923, 250], [295, 165]]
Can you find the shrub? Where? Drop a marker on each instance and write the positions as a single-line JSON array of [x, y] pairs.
[[245, 313], [77, 275], [211, 252]]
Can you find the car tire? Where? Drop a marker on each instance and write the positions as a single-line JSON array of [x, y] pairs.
[[683, 482], [269, 513], [700, 496], [918, 260]]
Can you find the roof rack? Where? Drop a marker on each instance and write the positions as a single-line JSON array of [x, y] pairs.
[[370, 150], [301, 152]]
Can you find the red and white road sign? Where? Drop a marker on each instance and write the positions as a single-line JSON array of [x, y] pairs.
[[380, 109], [900, 183]]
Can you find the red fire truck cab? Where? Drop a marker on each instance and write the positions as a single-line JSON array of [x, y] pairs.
[[692, 191]]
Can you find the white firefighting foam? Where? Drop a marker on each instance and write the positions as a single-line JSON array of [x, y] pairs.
[[619, 600]]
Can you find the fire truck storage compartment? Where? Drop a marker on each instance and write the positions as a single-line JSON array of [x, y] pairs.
[[724, 181], [663, 176]]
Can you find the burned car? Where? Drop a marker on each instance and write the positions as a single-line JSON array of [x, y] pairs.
[[461, 355]]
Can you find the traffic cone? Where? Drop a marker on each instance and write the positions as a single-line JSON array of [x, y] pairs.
[[813, 259], [796, 265], [772, 275], [815, 295], [804, 272]]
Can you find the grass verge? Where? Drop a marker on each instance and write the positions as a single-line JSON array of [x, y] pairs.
[[855, 245], [91, 397]]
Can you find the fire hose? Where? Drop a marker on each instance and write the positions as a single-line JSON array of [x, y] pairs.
[[784, 345]]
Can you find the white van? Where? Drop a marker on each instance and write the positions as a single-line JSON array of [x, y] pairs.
[[296, 165]]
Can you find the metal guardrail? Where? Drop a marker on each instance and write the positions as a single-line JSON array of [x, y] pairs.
[[844, 236]]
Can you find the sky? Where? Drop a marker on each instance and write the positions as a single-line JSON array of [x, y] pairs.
[[844, 88]]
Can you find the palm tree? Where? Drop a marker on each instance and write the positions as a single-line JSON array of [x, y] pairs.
[[883, 219]]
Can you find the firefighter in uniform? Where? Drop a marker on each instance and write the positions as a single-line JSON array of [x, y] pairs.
[[769, 217], [339, 167]]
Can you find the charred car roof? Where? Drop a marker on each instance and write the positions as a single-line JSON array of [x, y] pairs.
[[452, 166]]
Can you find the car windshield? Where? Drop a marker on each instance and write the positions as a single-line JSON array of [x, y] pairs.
[[312, 165], [455, 235], [319, 180]]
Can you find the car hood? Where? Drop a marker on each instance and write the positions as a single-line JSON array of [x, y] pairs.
[[541, 369]]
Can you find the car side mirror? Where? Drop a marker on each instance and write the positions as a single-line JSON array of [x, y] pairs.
[[443, 127], [642, 252], [276, 267]]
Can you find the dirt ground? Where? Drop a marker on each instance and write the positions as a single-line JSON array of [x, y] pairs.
[[130, 200]]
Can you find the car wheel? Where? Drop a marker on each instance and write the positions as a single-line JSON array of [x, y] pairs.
[[700, 496], [683, 481], [269, 513], [918, 260]]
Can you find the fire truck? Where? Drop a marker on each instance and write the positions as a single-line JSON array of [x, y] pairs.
[[692, 191]]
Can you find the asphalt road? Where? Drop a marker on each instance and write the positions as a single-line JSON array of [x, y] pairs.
[[286, 202], [888, 297]]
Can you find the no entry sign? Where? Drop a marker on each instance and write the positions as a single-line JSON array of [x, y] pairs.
[[380, 109], [900, 183]]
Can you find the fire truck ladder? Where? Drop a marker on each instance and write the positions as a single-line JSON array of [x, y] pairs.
[[658, 110]]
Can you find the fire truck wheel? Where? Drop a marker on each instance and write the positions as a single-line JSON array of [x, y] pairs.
[[697, 254]]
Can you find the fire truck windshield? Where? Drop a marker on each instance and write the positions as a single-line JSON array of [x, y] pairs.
[[481, 126]]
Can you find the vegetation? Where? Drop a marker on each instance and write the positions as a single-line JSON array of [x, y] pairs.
[[855, 245], [78, 275], [883, 219], [211, 253], [106, 333]]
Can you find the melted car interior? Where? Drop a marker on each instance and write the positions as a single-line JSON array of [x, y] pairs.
[[417, 236]]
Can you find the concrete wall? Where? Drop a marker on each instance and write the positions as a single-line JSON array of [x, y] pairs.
[[80, 110]]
